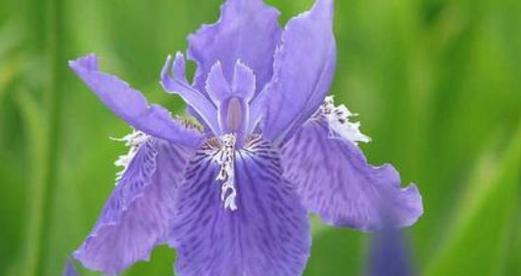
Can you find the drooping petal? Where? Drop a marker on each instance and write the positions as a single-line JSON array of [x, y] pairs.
[[173, 79], [303, 71], [247, 30], [136, 217], [336, 182], [131, 105], [268, 233]]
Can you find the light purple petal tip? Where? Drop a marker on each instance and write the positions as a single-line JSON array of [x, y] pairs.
[[217, 86], [131, 105], [136, 217], [336, 182], [247, 30], [267, 235], [243, 81], [303, 71]]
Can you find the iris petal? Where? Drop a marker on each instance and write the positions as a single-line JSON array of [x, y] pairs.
[[336, 182], [131, 106], [268, 233], [247, 30], [137, 214], [303, 71]]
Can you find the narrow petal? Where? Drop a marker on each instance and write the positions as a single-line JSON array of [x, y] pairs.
[[137, 214], [247, 30], [336, 182], [131, 105], [303, 71], [173, 79], [268, 233]]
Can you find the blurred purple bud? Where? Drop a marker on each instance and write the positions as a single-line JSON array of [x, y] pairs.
[[69, 269], [389, 254]]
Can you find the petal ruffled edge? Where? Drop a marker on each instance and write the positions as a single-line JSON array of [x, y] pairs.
[[138, 213], [247, 30], [335, 181]]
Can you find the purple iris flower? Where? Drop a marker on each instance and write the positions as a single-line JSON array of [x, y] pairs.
[[232, 193]]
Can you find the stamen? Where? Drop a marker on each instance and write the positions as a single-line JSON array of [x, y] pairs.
[[225, 157], [338, 119], [134, 141]]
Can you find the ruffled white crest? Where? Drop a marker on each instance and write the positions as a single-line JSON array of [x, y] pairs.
[[339, 124], [134, 141], [225, 157]]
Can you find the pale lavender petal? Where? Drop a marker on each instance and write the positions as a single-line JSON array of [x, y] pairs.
[[336, 182], [217, 86], [268, 235], [131, 106], [243, 81], [303, 71], [247, 30], [136, 217], [173, 80]]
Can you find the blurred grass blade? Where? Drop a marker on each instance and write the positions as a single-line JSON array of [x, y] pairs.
[[37, 133], [10, 62], [478, 244]]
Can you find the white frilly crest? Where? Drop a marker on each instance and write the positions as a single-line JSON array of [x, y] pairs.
[[339, 124], [225, 157], [134, 141]]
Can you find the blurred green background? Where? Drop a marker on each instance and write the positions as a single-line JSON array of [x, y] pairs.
[[437, 84]]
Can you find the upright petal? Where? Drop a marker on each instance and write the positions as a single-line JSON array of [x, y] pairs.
[[303, 71], [247, 30], [243, 81], [217, 86], [268, 233], [336, 182], [137, 214], [131, 106]]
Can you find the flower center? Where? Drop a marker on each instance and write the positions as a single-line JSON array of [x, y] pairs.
[[225, 157]]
